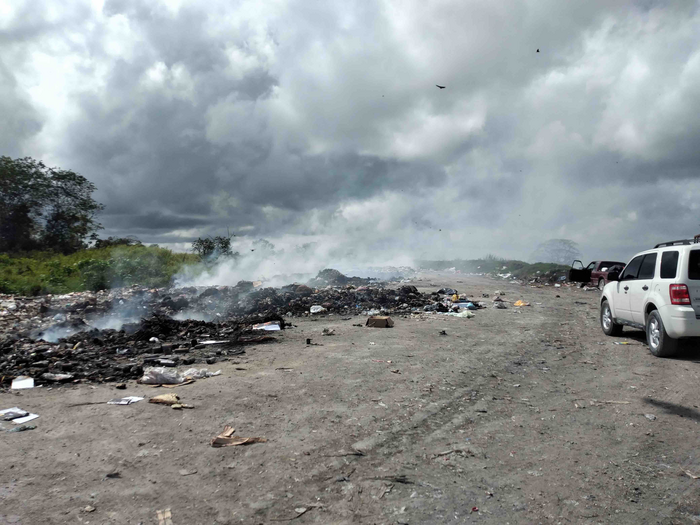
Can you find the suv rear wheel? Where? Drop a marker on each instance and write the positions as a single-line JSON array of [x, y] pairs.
[[601, 284], [607, 323], [660, 344]]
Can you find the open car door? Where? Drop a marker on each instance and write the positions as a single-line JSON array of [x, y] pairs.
[[578, 274]]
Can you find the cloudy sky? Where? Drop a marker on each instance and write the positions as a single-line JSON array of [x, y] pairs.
[[305, 120]]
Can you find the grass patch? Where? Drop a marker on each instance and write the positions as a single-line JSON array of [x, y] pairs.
[[93, 269]]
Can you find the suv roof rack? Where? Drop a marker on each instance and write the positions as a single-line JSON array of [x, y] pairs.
[[673, 243]]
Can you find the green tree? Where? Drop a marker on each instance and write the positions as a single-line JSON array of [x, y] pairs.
[[23, 189], [211, 248], [44, 208], [109, 242]]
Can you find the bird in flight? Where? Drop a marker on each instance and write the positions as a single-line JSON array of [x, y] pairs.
[[441, 87], [538, 49]]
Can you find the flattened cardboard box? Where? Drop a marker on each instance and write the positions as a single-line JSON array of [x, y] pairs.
[[379, 321]]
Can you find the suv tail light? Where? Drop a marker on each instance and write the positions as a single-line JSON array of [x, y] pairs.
[[679, 294]]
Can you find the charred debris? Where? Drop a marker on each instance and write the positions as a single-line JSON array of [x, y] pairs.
[[112, 335]]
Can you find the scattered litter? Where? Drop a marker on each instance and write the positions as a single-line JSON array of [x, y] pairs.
[[466, 314], [22, 428], [89, 508], [328, 331], [17, 415], [171, 400], [317, 309], [380, 321], [120, 386], [442, 332], [622, 343], [557, 285], [164, 517], [161, 376], [500, 305], [154, 340], [475, 509], [185, 472], [372, 343], [57, 378], [13, 413], [300, 511], [165, 399], [650, 417], [272, 326], [397, 371], [690, 474], [594, 402], [113, 475], [26, 419], [226, 439], [202, 373], [180, 406], [22, 382], [125, 400], [520, 302], [212, 342]]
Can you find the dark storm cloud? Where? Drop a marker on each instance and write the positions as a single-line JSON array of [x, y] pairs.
[[19, 119], [317, 118]]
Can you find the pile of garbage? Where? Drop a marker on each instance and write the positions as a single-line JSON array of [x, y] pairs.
[[113, 335], [116, 355]]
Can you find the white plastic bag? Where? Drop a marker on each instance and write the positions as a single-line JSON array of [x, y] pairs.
[[317, 309], [202, 373], [160, 375]]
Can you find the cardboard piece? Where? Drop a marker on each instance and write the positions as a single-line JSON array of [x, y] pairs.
[[22, 382], [380, 321], [227, 439]]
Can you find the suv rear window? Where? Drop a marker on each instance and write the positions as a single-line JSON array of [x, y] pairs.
[[646, 270], [669, 265], [694, 265]]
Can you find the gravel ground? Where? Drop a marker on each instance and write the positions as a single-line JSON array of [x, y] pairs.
[[522, 415]]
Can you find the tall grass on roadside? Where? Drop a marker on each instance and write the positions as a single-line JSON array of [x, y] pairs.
[[93, 269]]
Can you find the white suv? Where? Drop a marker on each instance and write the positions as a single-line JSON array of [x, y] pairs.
[[658, 291]]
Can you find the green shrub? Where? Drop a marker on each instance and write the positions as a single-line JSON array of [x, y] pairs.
[[93, 269]]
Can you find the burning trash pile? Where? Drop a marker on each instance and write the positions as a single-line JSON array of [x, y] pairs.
[[115, 335], [117, 355]]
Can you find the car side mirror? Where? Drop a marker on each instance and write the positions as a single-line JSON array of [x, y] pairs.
[[614, 276]]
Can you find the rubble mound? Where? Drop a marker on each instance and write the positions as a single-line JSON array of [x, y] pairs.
[[332, 277], [111, 335], [117, 355]]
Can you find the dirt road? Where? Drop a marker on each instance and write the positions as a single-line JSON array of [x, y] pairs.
[[522, 415]]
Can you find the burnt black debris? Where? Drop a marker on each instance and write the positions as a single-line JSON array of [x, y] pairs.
[[116, 355], [112, 335]]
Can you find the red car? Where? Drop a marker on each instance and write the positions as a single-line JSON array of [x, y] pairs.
[[596, 272]]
